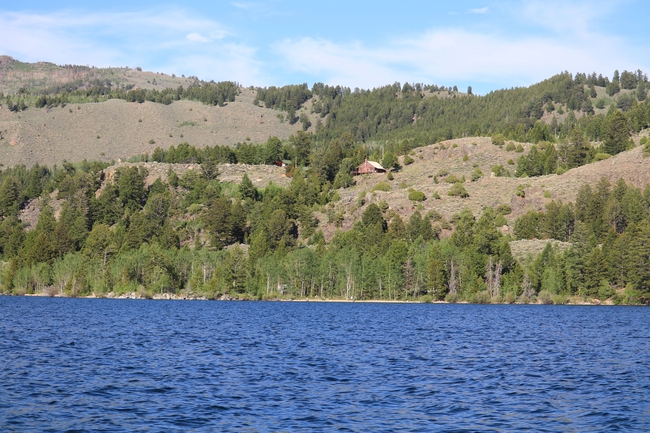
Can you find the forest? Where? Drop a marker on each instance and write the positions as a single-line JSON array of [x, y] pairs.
[[199, 236]]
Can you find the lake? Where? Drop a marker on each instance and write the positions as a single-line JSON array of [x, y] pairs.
[[131, 365]]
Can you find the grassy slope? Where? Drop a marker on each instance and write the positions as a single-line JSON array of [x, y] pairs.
[[49, 136], [487, 191]]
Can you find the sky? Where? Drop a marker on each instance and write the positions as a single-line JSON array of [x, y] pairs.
[[488, 45]]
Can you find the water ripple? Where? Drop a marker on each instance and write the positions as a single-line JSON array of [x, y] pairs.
[[119, 365]]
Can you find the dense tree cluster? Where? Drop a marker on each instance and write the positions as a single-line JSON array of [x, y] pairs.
[[125, 235], [609, 231], [209, 93]]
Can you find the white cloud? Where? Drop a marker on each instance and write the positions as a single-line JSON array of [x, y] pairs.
[[169, 40], [483, 10], [450, 56], [196, 37]]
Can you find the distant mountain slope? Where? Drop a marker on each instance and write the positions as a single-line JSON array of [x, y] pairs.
[[39, 76]]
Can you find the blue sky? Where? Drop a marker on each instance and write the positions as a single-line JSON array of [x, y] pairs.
[[486, 44]]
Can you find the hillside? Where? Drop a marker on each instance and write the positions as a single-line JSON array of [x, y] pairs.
[[45, 76], [478, 189], [116, 129]]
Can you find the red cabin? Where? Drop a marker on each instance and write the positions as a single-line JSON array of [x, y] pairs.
[[370, 167]]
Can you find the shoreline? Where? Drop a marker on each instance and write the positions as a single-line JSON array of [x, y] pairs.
[[176, 297]]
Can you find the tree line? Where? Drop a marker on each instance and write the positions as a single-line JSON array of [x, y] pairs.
[[609, 231], [197, 235]]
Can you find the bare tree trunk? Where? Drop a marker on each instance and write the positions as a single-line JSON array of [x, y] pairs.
[[453, 285]]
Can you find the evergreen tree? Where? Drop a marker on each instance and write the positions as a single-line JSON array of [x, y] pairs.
[[616, 133]]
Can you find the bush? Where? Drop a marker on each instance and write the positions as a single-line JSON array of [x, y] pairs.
[[510, 146], [511, 162], [600, 103], [605, 290], [408, 160], [519, 148], [499, 171], [476, 175], [602, 156], [504, 209], [442, 172], [452, 298], [510, 298], [520, 191], [465, 157], [417, 196], [382, 186], [482, 297], [458, 190], [498, 139], [453, 179], [390, 176], [544, 297]]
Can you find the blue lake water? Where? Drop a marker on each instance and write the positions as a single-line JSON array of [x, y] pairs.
[[122, 365]]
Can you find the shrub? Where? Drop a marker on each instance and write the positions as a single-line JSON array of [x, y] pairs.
[[605, 290], [452, 298], [152, 141], [544, 297], [498, 139], [504, 209], [510, 146], [382, 186], [499, 171], [547, 194], [453, 179], [458, 190], [390, 176], [454, 145], [408, 160], [476, 175], [602, 156], [482, 297], [436, 195], [417, 196], [442, 172], [465, 157], [511, 162], [519, 148], [520, 191], [434, 215], [600, 103]]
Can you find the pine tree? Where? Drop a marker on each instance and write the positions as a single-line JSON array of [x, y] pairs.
[[616, 133]]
